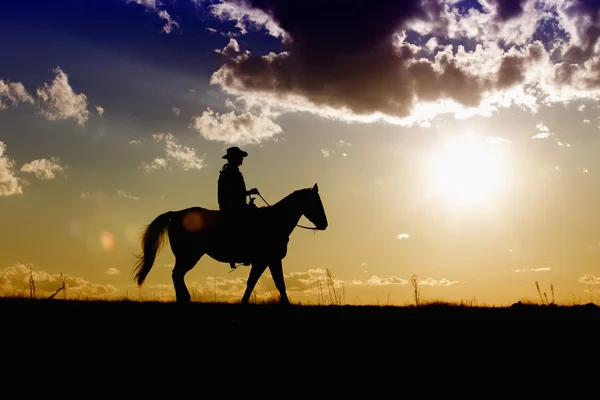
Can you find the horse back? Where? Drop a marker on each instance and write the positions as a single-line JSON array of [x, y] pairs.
[[195, 219]]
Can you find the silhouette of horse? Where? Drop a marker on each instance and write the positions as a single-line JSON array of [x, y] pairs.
[[196, 231]]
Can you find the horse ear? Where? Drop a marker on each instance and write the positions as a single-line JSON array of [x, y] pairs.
[[315, 188]]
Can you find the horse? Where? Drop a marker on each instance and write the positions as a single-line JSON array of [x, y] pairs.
[[196, 231]]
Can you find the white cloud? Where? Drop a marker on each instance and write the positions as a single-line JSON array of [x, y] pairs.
[[112, 271], [498, 140], [126, 195], [13, 93], [44, 168], [157, 163], [325, 152], [543, 132], [170, 24], [182, 156], [59, 101], [233, 128], [149, 4], [9, 183], [589, 279], [542, 269], [176, 110], [231, 50], [246, 18], [377, 281], [403, 236], [100, 110], [14, 279]]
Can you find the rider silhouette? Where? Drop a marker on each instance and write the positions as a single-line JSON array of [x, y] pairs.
[[232, 194]]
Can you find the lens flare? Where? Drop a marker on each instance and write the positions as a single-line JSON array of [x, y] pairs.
[[107, 240], [193, 221]]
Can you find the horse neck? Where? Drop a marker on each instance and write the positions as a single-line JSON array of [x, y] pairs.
[[288, 211]]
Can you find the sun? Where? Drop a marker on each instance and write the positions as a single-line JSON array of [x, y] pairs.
[[466, 170]]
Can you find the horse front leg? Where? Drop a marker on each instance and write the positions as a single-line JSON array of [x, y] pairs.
[[255, 272], [276, 269]]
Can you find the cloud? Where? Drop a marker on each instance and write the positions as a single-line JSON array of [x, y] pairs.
[[14, 279], [542, 269], [157, 163], [13, 94], [126, 195], [232, 128], [153, 5], [232, 49], [176, 110], [403, 236], [10, 184], [543, 132], [498, 140], [377, 281], [170, 24], [149, 4], [112, 271], [100, 110], [44, 168], [400, 61], [435, 282], [589, 279], [247, 18], [58, 100], [182, 156]]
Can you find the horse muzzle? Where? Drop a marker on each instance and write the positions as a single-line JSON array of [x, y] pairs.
[[322, 227]]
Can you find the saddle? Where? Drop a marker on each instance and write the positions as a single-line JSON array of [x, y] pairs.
[[237, 234], [244, 241]]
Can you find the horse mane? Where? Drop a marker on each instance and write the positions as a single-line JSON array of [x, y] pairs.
[[292, 196]]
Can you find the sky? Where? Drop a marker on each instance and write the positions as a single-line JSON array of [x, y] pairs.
[[454, 141]]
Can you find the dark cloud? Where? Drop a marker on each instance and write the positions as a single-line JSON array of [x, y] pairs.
[[356, 57], [508, 9], [585, 15], [352, 58]]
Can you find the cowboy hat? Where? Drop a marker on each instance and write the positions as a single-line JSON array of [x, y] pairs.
[[234, 152]]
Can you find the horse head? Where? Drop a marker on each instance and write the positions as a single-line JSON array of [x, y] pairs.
[[314, 210]]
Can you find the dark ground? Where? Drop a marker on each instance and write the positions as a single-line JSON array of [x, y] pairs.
[[131, 312]]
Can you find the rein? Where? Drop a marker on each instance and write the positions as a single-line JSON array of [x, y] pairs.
[[312, 228]]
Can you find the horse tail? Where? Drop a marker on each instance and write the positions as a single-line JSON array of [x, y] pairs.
[[152, 241]]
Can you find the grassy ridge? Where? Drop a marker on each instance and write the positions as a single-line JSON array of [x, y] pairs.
[[125, 312]]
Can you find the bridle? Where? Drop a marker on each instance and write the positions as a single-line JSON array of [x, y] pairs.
[[312, 228]]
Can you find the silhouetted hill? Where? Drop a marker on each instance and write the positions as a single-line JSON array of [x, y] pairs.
[[133, 313]]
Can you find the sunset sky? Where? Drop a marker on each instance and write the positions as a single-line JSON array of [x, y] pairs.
[[456, 140]]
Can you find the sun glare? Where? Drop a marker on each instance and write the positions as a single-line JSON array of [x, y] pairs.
[[466, 170]]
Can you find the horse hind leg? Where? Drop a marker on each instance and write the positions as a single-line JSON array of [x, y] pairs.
[[276, 269], [182, 266]]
